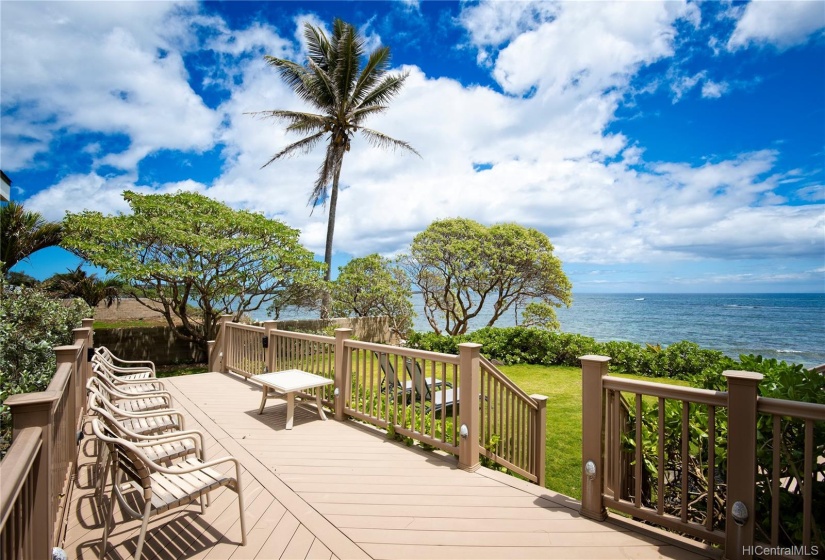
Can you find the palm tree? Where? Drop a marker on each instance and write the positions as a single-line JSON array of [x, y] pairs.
[[22, 233], [78, 283], [345, 93]]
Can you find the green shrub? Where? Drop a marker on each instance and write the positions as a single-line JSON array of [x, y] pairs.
[[31, 325], [435, 343]]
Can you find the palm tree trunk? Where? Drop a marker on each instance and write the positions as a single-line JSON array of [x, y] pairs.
[[326, 302]]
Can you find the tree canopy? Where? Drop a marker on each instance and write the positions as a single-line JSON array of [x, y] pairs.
[[193, 258], [346, 87], [23, 233], [370, 286], [463, 267]]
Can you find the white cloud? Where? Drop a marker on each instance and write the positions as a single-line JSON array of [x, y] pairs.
[[589, 47], [95, 192], [552, 165], [782, 24], [113, 71], [714, 90], [490, 24], [813, 193]]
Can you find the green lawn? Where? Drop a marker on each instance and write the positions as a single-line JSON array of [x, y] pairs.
[[562, 385]]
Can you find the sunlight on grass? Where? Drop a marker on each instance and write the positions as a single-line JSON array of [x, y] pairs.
[[562, 386]]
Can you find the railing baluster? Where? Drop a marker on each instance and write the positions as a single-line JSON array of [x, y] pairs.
[[660, 501], [372, 383], [685, 450], [638, 467], [711, 467], [807, 489], [775, 478]]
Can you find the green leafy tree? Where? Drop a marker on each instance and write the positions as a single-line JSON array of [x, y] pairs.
[[463, 267], [78, 283], [193, 258], [346, 89], [23, 233], [370, 286]]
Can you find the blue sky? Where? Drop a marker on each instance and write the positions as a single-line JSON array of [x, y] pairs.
[[663, 146]]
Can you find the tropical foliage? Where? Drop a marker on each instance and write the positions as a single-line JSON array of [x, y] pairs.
[[23, 233], [463, 267], [193, 258], [346, 87], [78, 283], [371, 286], [31, 325]]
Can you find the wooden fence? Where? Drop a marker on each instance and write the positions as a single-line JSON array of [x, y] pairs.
[[695, 463], [461, 404], [37, 472]]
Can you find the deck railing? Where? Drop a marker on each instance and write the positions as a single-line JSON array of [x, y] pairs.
[[244, 351], [39, 468], [512, 424], [461, 404], [694, 462]]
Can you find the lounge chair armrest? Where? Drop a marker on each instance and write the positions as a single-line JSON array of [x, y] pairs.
[[206, 465], [194, 435], [122, 361]]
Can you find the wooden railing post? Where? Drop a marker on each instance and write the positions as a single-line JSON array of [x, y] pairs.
[[35, 410], [218, 354], [342, 372], [469, 372], [740, 508], [269, 355], [539, 442], [82, 337], [594, 368]]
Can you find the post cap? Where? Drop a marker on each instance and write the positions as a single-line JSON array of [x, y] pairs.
[[742, 375], [595, 358]]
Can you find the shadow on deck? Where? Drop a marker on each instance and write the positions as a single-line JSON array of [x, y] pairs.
[[343, 490]]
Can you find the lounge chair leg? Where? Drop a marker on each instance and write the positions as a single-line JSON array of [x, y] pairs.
[[108, 521], [143, 527], [240, 506]]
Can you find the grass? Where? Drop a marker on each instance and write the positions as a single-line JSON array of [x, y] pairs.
[[182, 369], [562, 385]]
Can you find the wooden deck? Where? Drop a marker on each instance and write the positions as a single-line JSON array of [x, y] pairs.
[[343, 490]]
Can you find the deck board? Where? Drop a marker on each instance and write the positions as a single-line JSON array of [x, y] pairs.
[[344, 490]]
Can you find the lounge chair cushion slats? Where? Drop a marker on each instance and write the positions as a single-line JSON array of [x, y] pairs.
[[140, 405], [172, 450], [150, 424]]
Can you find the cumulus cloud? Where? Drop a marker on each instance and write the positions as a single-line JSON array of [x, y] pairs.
[[782, 24], [114, 71], [78, 192], [548, 160]]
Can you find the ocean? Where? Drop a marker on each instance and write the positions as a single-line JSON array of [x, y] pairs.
[[789, 327]]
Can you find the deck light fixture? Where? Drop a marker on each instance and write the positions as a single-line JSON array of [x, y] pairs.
[[739, 511], [464, 432], [590, 469]]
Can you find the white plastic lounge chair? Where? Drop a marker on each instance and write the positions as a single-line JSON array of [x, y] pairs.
[[144, 423], [160, 448], [162, 488], [141, 385], [137, 369], [130, 402]]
